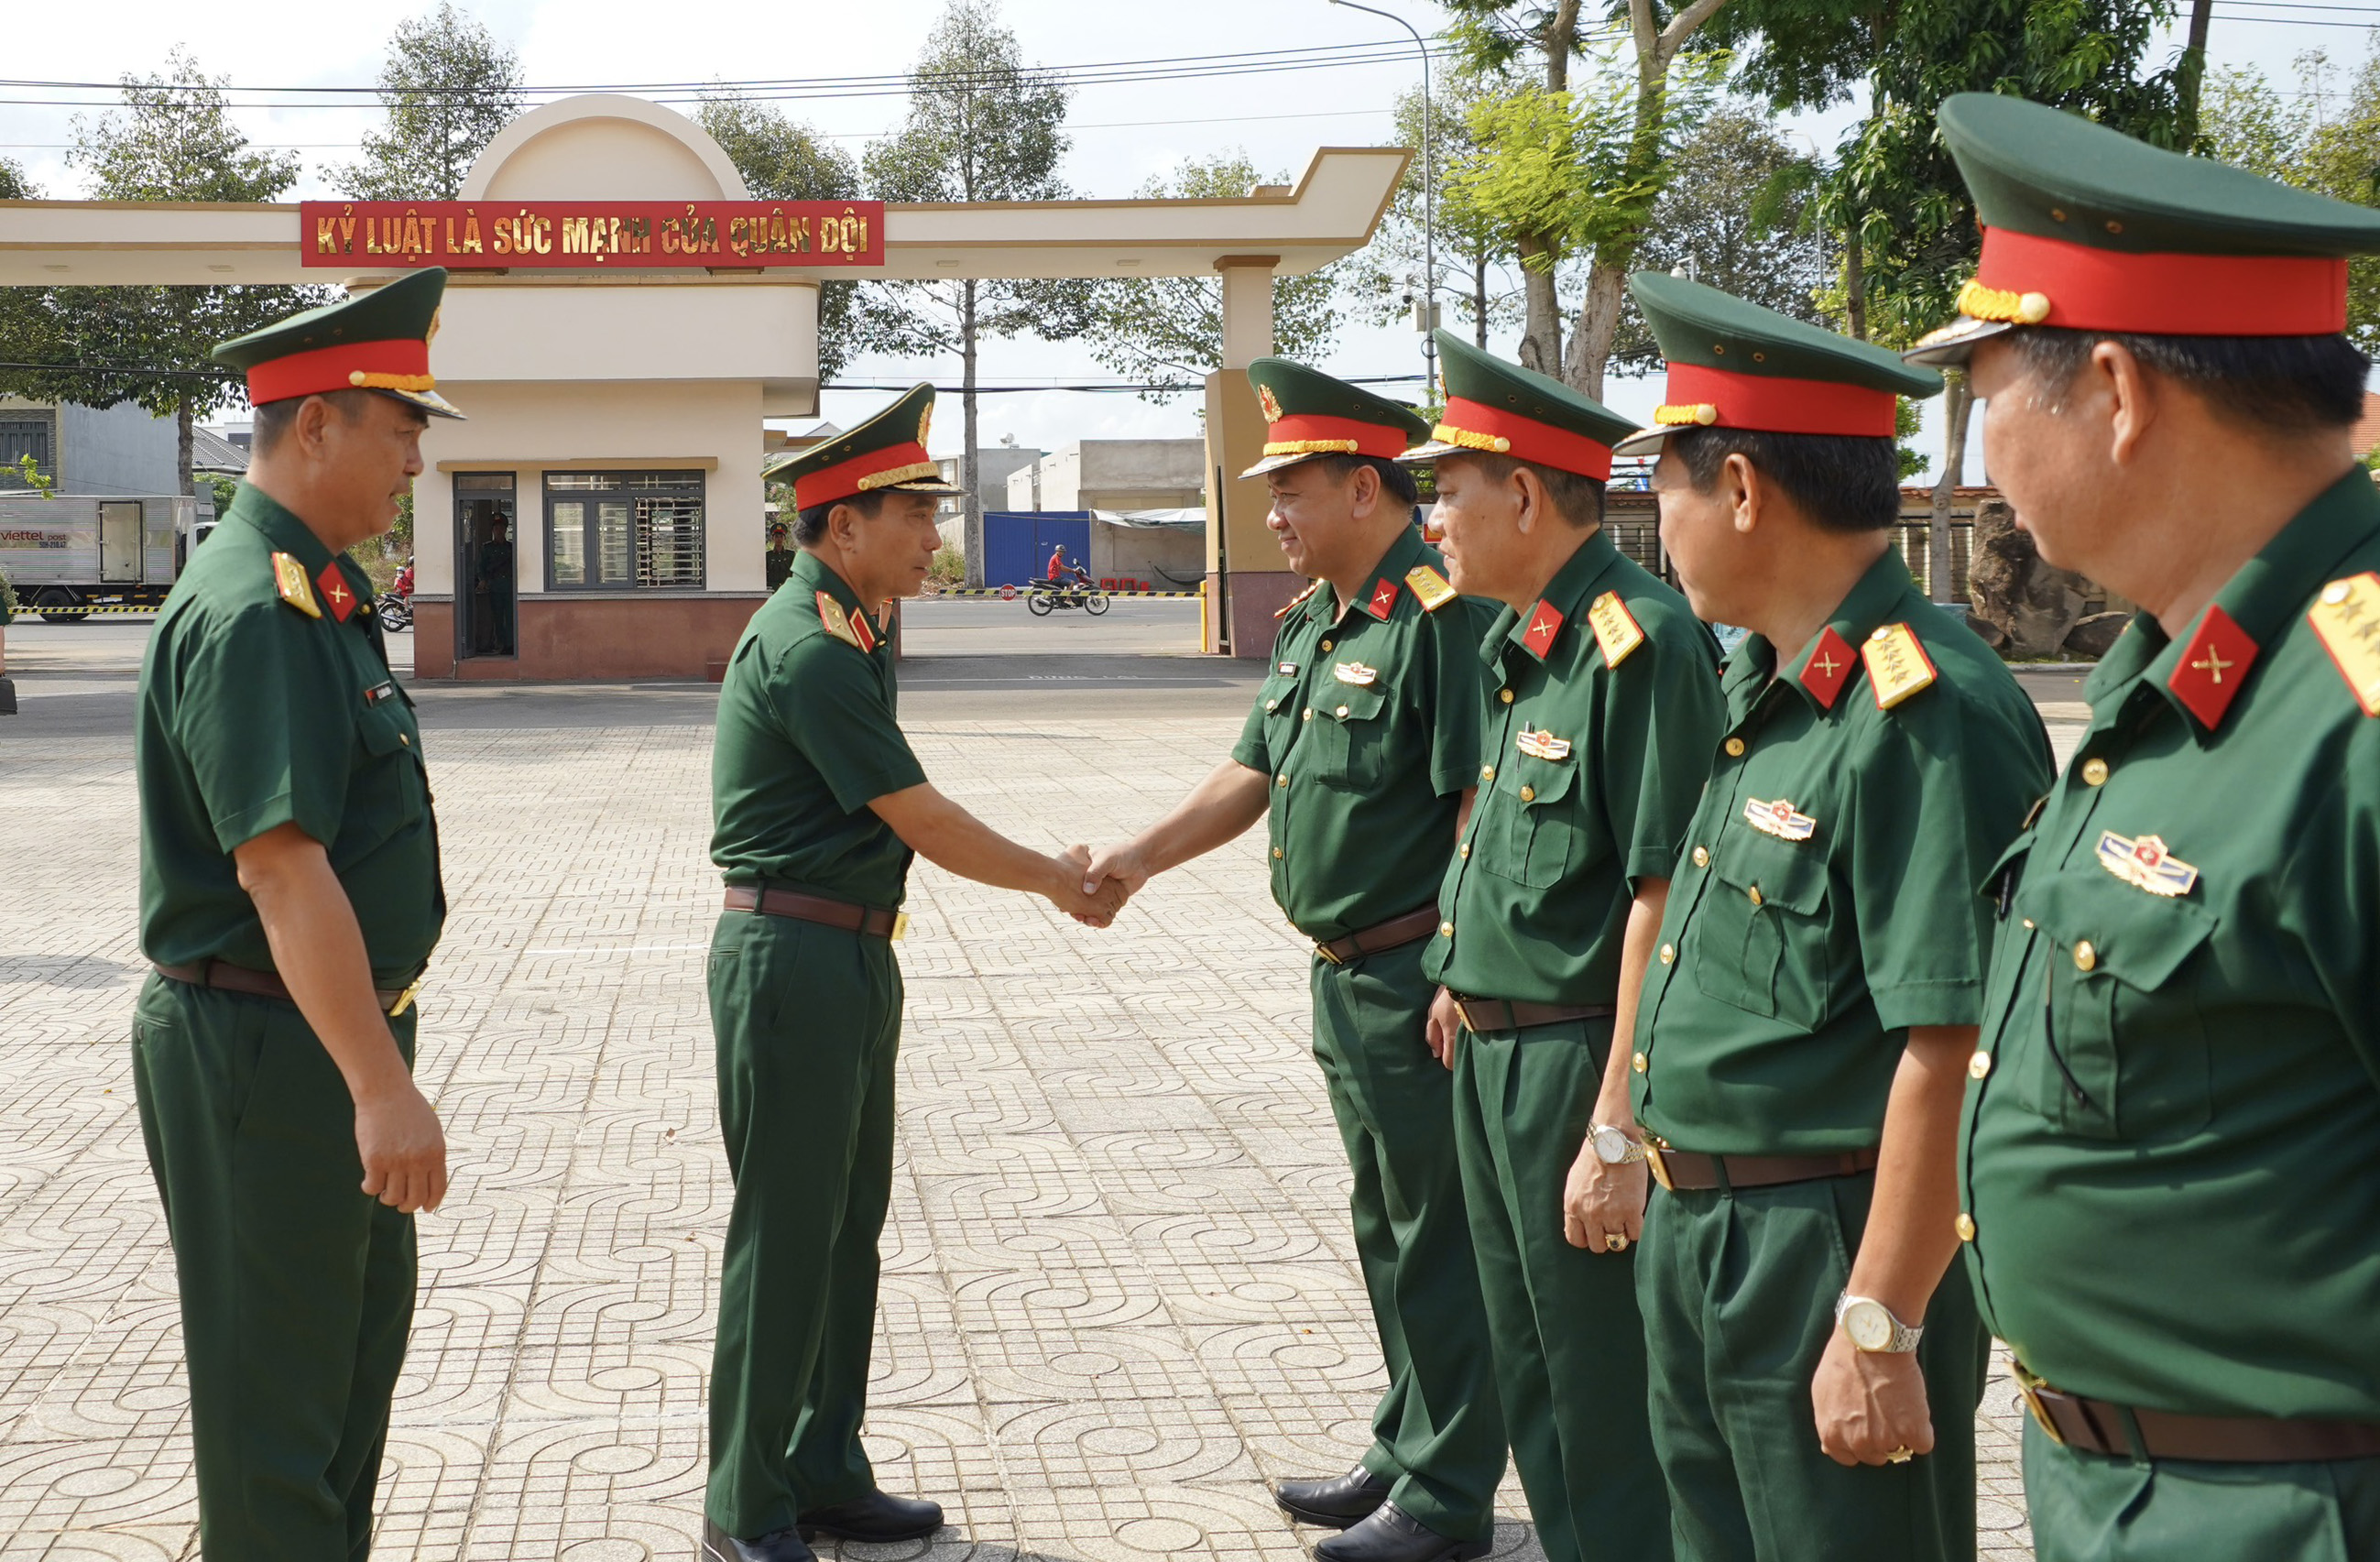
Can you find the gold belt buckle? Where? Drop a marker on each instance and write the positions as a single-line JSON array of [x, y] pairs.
[[405, 999], [900, 925], [2029, 1384], [1325, 951], [1660, 1168], [1462, 1012]]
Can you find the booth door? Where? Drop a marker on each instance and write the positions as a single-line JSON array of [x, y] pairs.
[[487, 550]]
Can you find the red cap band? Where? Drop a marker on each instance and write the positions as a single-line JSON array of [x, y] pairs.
[[331, 369], [2091, 289], [1528, 440], [1777, 406], [846, 478], [1371, 439]]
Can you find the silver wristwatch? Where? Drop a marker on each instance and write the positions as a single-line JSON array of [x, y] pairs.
[[1870, 1326], [1614, 1146]]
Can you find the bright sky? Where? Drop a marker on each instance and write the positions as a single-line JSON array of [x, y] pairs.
[[1122, 134]]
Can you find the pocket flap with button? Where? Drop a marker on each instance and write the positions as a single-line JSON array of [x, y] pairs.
[[382, 730], [2138, 939], [1790, 875], [1278, 690], [1349, 702], [1535, 782]]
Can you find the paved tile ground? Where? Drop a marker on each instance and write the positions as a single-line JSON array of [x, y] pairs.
[[1120, 1292]]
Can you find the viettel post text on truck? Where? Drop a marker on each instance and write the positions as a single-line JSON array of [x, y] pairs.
[[74, 554]]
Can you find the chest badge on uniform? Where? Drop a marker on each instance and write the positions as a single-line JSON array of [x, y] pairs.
[[1383, 599], [1779, 818], [2144, 863], [1541, 745], [1356, 672], [1287, 669], [385, 689], [289, 579], [834, 621], [1616, 629], [2347, 617], [1430, 587], [331, 588], [1898, 666]]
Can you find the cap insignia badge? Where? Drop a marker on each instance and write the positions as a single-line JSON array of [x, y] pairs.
[[1271, 402]]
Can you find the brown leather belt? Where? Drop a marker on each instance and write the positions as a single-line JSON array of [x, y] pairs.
[[869, 920], [1395, 933], [264, 984], [1483, 1016], [1675, 1170], [2104, 1428]]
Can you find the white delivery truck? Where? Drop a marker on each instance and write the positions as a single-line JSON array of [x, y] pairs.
[[74, 553]]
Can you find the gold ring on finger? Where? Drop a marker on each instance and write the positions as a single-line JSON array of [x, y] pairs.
[[1615, 1241], [1901, 1454]]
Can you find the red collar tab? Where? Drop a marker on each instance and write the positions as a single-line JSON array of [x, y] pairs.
[[863, 629], [332, 586], [1383, 601], [1723, 398], [2035, 281], [2213, 668], [1830, 668], [1545, 622], [343, 368], [1303, 433], [1476, 426], [877, 468]]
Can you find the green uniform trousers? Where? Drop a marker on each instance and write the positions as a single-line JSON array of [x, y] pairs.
[[1570, 1352], [296, 1286], [1437, 1433], [807, 1020], [2091, 1508], [1739, 1291]]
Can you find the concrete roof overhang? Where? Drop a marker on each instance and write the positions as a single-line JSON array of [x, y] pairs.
[[1329, 213]]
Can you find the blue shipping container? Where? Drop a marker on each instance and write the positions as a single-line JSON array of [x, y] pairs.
[[1016, 543]]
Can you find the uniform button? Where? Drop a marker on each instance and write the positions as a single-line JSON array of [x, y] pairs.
[[1637, 1062], [1669, 953], [1702, 856], [1309, 714], [1965, 1226], [1343, 713], [1753, 894], [1735, 748], [1464, 850], [1504, 694], [1281, 780], [402, 739], [1979, 1065], [2085, 957], [2095, 772], [1325, 645], [1486, 772], [2028, 924], [1529, 794], [1276, 854], [1446, 929]]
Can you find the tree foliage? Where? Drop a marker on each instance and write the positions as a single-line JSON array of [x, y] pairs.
[[783, 159], [13, 185], [1477, 262], [449, 88], [1168, 330]]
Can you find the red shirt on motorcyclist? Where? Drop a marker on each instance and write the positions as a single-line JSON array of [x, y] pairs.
[[1057, 563]]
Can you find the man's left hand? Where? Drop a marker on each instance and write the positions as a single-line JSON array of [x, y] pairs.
[[1870, 1404]]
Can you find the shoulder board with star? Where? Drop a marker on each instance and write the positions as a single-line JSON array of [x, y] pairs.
[[1300, 600], [1898, 666], [289, 579], [1430, 587], [2346, 617], [835, 622], [1616, 629]]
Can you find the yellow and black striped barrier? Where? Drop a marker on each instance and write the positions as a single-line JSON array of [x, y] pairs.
[[1016, 592]]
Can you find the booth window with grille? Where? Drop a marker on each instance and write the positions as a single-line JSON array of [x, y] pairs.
[[617, 531]]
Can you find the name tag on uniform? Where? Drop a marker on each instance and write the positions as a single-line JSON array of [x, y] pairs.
[[1542, 745], [381, 691], [1356, 672], [1287, 669], [1779, 820], [2144, 863]]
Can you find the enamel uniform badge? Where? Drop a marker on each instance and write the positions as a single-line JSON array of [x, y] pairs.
[[1356, 672], [2144, 863], [1384, 598], [1430, 587], [289, 579], [1779, 818], [1828, 669], [1541, 745], [1616, 629], [330, 586], [1545, 622]]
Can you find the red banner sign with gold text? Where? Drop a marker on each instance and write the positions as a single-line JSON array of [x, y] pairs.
[[586, 235]]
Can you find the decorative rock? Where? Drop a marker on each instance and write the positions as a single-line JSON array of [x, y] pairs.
[[2028, 605], [2092, 638]]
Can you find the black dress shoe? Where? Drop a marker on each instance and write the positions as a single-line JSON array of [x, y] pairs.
[[1336, 1503], [876, 1517], [1390, 1535], [777, 1545]]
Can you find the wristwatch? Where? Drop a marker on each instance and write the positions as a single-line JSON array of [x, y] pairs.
[[1870, 1326], [1614, 1146]]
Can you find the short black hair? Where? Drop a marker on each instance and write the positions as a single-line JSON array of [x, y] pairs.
[[1578, 497], [2286, 384], [1843, 482], [810, 524], [272, 419], [1395, 481]]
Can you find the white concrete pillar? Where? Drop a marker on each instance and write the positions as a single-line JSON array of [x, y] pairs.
[[1247, 308]]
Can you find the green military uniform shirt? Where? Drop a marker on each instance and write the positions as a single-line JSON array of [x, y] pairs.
[[1827, 899], [1587, 781], [2171, 1155], [806, 740], [1368, 728], [254, 714]]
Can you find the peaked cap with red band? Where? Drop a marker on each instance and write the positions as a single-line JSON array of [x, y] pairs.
[[374, 340], [1309, 413], [886, 452], [1734, 365], [2088, 229], [1498, 409]]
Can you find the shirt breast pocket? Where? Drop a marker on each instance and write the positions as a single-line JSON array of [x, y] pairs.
[[388, 782], [2125, 1053], [1761, 943], [1539, 801], [1350, 739]]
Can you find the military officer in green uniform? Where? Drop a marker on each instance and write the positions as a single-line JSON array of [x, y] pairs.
[[818, 806], [1802, 1039], [1361, 751], [2171, 1156], [289, 900], [1600, 709]]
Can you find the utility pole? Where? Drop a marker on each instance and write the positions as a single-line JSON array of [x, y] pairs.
[[1429, 322]]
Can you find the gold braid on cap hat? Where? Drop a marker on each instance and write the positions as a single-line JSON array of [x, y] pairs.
[[362, 380], [1448, 434], [1978, 302], [899, 475], [1311, 447], [1701, 412]]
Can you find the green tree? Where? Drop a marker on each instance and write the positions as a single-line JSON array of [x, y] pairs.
[[982, 125], [1476, 257], [96, 346], [13, 185], [1168, 330], [449, 88], [783, 159]]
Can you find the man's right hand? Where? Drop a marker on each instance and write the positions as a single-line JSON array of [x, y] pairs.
[[402, 1149], [1095, 900], [1122, 862], [1445, 1022]]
